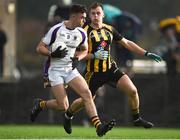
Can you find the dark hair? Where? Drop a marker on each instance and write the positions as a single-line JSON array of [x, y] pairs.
[[95, 5], [77, 8]]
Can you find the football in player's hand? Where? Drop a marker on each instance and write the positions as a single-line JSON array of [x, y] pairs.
[[57, 44], [58, 50]]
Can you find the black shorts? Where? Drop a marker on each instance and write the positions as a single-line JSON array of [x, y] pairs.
[[98, 79]]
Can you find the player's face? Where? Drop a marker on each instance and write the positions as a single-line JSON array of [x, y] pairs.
[[96, 15], [80, 19]]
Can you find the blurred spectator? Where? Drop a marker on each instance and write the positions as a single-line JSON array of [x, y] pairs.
[[3, 40], [171, 43], [130, 27], [57, 13], [110, 12]]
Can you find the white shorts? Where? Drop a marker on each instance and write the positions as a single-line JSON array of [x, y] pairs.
[[61, 75]]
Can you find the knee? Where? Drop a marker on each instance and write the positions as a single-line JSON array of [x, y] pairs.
[[87, 95], [62, 106], [133, 92]]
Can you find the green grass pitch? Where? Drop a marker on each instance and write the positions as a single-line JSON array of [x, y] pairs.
[[80, 132]]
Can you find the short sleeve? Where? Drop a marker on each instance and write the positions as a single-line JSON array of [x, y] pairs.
[[84, 38], [50, 36], [116, 35], [47, 38]]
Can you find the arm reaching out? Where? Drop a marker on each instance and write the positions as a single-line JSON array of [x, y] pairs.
[[133, 47]]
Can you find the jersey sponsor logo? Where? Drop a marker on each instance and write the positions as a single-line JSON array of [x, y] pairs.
[[102, 45], [63, 35], [71, 46]]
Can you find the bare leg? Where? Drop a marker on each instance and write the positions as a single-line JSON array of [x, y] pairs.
[[85, 94], [60, 103], [77, 105], [59, 93], [52, 104], [80, 86], [126, 85]]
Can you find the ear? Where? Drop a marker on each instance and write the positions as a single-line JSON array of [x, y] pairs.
[[73, 15], [103, 15]]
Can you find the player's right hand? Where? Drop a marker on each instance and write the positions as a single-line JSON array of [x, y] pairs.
[[75, 62], [58, 53], [101, 54]]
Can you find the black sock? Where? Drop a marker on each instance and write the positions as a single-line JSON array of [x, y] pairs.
[[69, 113], [135, 116]]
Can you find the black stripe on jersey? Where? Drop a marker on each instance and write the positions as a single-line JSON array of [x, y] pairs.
[[100, 65], [107, 66], [94, 43], [92, 65], [107, 29]]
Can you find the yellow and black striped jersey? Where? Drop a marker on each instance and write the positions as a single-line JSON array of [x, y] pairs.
[[100, 39]]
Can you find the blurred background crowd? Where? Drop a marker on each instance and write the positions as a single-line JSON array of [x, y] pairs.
[[154, 25]]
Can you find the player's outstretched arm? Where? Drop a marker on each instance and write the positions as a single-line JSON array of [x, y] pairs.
[[133, 47]]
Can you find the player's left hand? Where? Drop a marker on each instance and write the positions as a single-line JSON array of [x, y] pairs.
[[75, 62], [153, 56]]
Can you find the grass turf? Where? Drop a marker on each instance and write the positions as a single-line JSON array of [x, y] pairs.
[[57, 132]]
